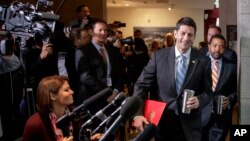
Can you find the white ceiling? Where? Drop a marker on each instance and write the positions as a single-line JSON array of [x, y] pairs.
[[178, 4]]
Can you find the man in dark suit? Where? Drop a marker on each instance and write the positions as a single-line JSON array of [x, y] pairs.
[[83, 15], [162, 69], [96, 69], [228, 52], [216, 125]]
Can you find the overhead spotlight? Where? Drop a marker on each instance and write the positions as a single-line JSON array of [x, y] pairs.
[[171, 6]]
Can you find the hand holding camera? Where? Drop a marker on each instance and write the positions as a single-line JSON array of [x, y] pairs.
[[47, 50]]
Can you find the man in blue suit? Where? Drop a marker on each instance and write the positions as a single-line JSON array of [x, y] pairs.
[[162, 69], [216, 125]]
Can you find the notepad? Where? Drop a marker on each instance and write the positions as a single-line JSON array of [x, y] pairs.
[[153, 110]]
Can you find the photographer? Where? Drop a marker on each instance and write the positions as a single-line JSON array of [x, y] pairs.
[[83, 17], [39, 61], [11, 83]]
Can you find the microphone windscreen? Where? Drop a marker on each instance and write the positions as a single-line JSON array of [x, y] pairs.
[[130, 107], [97, 96], [119, 98], [50, 16]]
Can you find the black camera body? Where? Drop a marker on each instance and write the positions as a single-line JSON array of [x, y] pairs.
[[24, 21], [128, 41], [119, 24]]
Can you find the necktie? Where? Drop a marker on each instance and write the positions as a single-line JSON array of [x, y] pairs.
[[215, 74], [103, 55], [181, 72]]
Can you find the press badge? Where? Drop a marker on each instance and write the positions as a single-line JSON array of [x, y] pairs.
[[109, 81]]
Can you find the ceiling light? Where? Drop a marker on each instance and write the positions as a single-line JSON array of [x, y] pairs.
[[171, 6]]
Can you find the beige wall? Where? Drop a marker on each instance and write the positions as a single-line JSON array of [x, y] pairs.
[[154, 18], [227, 14]]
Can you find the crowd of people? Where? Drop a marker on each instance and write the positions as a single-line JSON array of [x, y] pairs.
[[62, 74]]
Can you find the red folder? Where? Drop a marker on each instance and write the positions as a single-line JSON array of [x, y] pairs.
[[153, 110]]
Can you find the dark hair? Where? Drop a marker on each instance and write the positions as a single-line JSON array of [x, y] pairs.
[[216, 27], [137, 31], [95, 21], [47, 86], [76, 33], [111, 32], [218, 36], [140, 45], [186, 21], [203, 44], [79, 8]]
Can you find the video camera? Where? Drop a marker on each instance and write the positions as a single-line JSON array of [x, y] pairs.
[[119, 24], [24, 20], [128, 40]]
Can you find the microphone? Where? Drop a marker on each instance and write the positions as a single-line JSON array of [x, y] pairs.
[[64, 120], [101, 113], [147, 134], [101, 94], [109, 119], [128, 110], [105, 122], [49, 16]]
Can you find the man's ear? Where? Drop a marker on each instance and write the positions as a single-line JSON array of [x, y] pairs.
[[52, 96], [175, 34]]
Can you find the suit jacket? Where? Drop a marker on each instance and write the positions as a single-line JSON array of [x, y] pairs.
[[92, 71], [227, 86], [161, 70]]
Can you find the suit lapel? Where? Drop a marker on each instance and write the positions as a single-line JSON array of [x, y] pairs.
[[223, 73], [171, 69]]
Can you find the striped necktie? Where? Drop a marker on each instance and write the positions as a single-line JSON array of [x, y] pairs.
[[215, 72], [181, 72]]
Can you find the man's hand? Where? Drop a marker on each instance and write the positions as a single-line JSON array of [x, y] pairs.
[[117, 44], [139, 121], [112, 97], [70, 138], [193, 102], [47, 50], [96, 137]]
